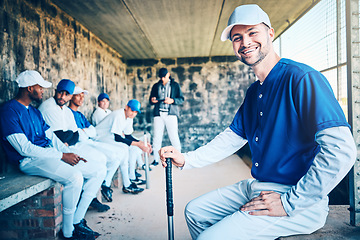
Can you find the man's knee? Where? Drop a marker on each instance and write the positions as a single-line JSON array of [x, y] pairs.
[[190, 210], [73, 179]]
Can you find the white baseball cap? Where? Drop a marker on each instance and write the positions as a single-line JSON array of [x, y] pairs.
[[30, 78], [250, 14], [79, 90]]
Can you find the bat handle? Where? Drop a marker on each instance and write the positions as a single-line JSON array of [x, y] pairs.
[[169, 199], [169, 191]]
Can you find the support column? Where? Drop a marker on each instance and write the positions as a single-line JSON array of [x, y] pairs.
[[353, 75]]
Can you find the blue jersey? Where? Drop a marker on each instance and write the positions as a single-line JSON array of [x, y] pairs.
[[80, 120], [281, 117], [16, 118]]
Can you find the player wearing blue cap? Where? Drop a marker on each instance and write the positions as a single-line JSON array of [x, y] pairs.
[[61, 121], [116, 128], [300, 142], [30, 144], [102, 110]]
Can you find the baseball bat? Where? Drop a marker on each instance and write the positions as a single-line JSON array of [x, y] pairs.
[[147, 176], [169, 199]]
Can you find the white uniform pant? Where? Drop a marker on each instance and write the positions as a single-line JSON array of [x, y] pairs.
[[216, 215], [114, 157], [171, 124], [134, 157], [122, 153], [83, 176], [98, 160]]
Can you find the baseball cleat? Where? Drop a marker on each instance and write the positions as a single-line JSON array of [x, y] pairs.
[[138, 181], [132, 189], [106, 193]]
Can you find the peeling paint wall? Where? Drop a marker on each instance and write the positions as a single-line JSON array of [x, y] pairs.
[[214, 89]]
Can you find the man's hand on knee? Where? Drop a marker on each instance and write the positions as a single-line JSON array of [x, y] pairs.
[[268, 203]]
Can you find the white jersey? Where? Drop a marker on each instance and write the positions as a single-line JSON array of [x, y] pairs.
[[114, 123], [56, 117], [60, 118], [98, 115]]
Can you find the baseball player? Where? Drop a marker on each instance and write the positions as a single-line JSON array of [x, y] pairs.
[[29, 143], [113, 152], [61, 120], [117, 128], [299, 138], [166, 96], [102, 110]]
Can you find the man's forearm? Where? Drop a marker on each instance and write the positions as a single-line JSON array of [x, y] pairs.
[[222, 146], [335, 159], [27, 149]]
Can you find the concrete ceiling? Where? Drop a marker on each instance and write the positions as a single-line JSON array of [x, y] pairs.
[[141, 29]]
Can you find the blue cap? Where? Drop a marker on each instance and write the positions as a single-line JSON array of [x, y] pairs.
[[134, 105], [66, 85], [102, 96]]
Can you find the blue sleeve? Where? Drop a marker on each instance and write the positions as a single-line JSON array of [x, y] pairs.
[[45, 127], [237, 125], [9, 122], [315, 112], [80, 119], [85, 121]]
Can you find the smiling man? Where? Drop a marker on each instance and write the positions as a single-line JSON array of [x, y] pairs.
[[300, 142]]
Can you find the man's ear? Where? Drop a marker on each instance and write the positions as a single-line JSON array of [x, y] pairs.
[[272, 34], [29, 88]]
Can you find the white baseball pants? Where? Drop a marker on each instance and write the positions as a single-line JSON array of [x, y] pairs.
[[83, 176], [171, 124], [134, 157], [216, 215], [122, 153], [114, 157]]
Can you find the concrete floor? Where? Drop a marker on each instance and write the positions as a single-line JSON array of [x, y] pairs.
[[143, 216]]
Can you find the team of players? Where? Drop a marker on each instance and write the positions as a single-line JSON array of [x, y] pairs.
[[58, 142]]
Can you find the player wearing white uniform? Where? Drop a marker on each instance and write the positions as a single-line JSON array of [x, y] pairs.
[[61, 121], [29, 143], [103, 109], [117, 128], [110, 150]]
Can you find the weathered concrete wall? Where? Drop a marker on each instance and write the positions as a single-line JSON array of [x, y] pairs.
[[35, 34], [214, 89]]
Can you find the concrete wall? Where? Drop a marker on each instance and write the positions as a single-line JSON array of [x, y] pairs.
[[35, 34], [214, 89]]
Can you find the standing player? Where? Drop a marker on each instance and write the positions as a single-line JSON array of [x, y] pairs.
[[166, 96]]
